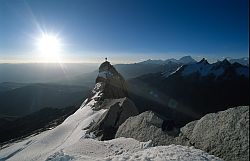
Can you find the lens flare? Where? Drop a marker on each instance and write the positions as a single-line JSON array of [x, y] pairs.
[[49, 47]]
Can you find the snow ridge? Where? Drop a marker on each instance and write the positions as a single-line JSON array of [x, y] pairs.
[[203, 69]]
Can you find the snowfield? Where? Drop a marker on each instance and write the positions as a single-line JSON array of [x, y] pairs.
[[69, 141], [123, 149]]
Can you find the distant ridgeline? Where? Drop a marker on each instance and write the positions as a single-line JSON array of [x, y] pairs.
[[193, 90]]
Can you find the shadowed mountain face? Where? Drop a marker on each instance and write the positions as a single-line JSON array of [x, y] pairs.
[[193, 90], [33, 123], [243, 61], [43, 72], [20, 101]]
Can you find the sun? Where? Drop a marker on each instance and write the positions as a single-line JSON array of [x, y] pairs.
[[49, 47]]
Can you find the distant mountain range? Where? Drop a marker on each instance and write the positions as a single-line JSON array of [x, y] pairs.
[[84, 74], [68, 90], [243, 61], [189, 59], [183, 60], [219, 70], [192, 90]]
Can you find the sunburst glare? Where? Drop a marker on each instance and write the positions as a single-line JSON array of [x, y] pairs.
[[49, 47]]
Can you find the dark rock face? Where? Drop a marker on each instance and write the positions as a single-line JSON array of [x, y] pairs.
[[224, 134], [118, 111], [110, 93], [115, 86]]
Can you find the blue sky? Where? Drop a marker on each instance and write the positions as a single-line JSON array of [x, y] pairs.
[[125, 30]]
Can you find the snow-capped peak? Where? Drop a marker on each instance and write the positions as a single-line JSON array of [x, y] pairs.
[[220, 68], [202, 68]]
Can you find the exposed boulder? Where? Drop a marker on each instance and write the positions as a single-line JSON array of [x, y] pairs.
[[118, 111], [224, 134], [148, 126]]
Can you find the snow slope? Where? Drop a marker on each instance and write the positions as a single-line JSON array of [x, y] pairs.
[[120, 149], [123, 149], [69, 142], [68, 133]]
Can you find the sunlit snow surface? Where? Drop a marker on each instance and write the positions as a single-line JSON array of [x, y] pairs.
[[203, 69], [43, 145], [68, 141], [206, 69]]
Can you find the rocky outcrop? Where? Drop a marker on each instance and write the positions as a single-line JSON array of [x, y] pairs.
[[224, 134], [109, 85], [148, 126], [109, 93], [118, 111], [114, 84]]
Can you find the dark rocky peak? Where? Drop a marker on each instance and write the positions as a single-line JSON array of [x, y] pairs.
[[221, 64], [203, 61], [225, 62], [237, 65], [107, 67], [109, 83], [110, 94]]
